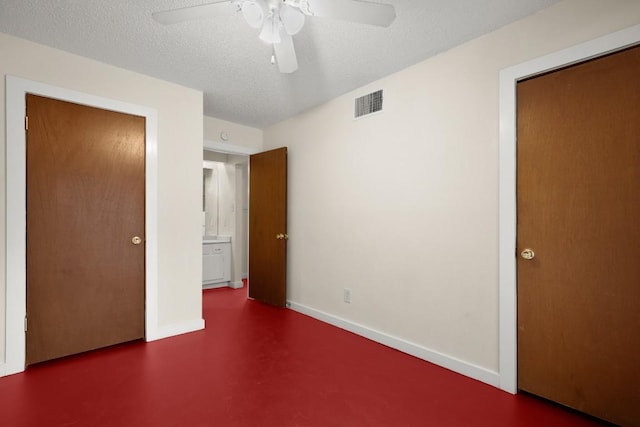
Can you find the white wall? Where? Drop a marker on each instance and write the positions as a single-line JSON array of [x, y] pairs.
[[235, 133], [227, 199], [241, 249], [180, 135], [402, 207], [212, 156]]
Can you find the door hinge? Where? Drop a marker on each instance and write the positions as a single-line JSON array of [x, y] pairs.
[[26, 122], [25, 323]]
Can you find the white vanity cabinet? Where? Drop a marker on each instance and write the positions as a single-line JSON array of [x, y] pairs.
[[216, 262]]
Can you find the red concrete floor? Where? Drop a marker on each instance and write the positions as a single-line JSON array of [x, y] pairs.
[[256, 365]]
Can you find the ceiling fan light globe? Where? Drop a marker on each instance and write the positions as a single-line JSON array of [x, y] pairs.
[[292, 19], [271, 30], [254, 12]]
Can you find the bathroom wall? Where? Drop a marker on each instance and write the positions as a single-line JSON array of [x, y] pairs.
[[242, 220], [227, 200]]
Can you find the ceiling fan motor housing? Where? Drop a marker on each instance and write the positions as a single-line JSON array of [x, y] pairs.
[[273, 16]]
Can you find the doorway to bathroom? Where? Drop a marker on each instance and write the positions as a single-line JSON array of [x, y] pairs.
[[225, 208], [232, 182]]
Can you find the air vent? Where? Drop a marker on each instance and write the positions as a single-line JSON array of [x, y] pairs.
[[368, 104]]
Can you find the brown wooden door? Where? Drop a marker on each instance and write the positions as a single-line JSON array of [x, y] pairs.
[[578, 210], [268, 227], [85, 203]]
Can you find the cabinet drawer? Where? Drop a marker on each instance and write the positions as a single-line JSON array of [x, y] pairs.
[[213, 249]]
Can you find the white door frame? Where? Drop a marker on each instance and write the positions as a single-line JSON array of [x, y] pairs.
[[507, 181], [16, 90]]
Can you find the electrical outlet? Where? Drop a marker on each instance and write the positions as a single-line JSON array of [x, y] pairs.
[[347, 295]]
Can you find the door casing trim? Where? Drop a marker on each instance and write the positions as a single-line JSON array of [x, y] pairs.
[[509, 77], [16, 90]]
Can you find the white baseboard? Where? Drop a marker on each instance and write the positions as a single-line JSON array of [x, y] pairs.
[[215, 285], [160, 333], [176, 329], [456, 365], [236, 285]]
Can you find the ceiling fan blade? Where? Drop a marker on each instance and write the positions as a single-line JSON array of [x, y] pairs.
[[286, 53], [189, 13], [363, 12]]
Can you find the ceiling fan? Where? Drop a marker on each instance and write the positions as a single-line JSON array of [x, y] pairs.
[[279, 20]]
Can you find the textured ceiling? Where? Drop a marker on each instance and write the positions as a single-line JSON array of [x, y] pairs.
[[224, 58]]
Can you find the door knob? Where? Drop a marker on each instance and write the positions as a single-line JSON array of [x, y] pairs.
[[136, 240], [528, 254], [282, 236]]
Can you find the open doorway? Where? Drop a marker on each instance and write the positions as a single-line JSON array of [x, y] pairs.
[[258, 179], [225, 219]]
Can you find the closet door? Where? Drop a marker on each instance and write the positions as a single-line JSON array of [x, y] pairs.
[[85, 228]]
